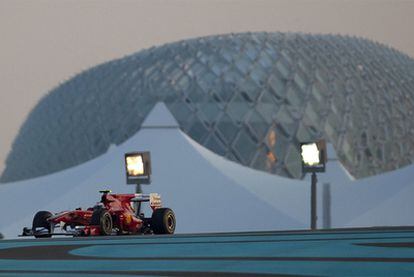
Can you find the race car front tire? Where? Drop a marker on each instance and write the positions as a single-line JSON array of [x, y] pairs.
[[103, 219], [40, 221], [163, 221]]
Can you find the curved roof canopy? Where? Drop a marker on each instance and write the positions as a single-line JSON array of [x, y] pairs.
[[250, 97]]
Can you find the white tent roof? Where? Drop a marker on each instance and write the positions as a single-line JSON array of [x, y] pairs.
[[207, 192]]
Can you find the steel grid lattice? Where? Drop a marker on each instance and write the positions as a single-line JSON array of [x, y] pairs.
[[250, 97]]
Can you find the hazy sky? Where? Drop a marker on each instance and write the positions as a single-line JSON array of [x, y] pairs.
[[45, 42]]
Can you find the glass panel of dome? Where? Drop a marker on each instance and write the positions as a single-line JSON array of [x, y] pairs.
[[265, 60], [247, 97], [277, 86], [227, 54], [210, 78], [270, 139], [303, 133], [197, 96], [183, 83], [321, 75], [227, 128], [252, 134], [332, 126], [266, 108], [283, 116], [300, 81], [233, 76], [322, 89], [214, 144], [292, 162], [232, 156], [304, 64], [249, 87], [261, 161], [198, 131], [237, 109], [251, 51], [180, 111], [228, 91], [295, 96], [198, 69], [244, 146], [330, 132], [218, 66], [258, 75], [295, 112], [286, 56], [269, 49], [280, 147], [283, 68], [257, 124], [210, 111], [243, 64], [312, 115], [205, 86]]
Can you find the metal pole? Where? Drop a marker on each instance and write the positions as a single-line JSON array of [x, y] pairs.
[[314, 216], [137, 205], [326, 206]]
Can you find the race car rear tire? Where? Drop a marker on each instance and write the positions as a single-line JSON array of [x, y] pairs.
[[40, 220], [163, 221], [103, 219]]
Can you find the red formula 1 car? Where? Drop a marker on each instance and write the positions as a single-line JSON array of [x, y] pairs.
[[113, 215]]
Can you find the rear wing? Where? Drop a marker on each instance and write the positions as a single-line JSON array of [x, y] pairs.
[[153, 198]]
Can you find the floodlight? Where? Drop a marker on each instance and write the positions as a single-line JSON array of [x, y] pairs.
[[135, 165], [313, 156], [310, 154], [138, 167], [313, 160]]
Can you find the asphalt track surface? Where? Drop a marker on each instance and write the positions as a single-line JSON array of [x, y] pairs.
[[340, 252]]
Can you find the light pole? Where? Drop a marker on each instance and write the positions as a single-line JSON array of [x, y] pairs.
[[313, 160], [138, 172]]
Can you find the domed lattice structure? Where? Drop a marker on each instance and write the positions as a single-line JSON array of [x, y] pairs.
[[251, 98]]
